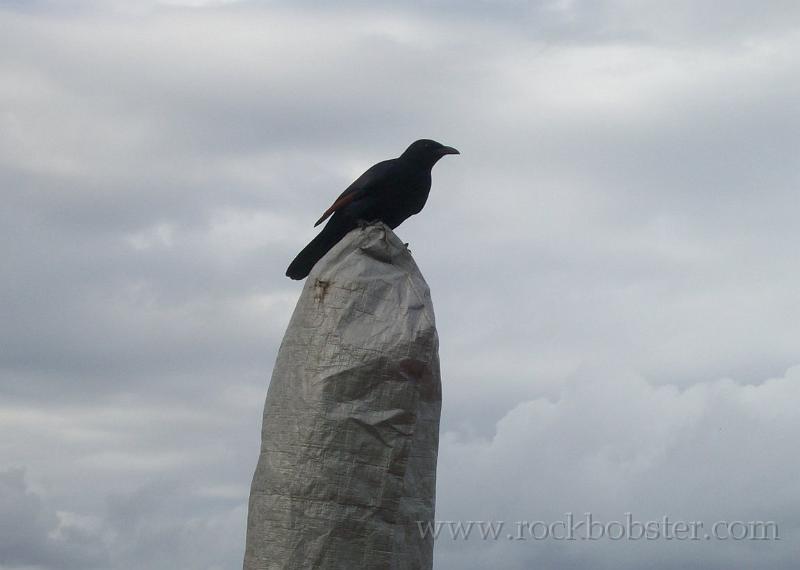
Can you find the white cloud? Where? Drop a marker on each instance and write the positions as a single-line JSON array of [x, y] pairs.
[[612, 443]]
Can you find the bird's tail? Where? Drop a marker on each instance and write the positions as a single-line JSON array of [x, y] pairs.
[[301, 266]]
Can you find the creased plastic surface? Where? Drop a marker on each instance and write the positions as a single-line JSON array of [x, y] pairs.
[[351, 422]]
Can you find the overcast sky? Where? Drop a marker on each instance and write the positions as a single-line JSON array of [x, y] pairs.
[[613, 260]]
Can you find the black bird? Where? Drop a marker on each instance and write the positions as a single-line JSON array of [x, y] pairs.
[[390, 192]]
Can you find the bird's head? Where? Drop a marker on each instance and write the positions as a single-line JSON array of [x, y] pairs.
[[427, 152]]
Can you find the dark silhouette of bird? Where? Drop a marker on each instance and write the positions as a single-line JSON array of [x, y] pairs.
[[390, 192]]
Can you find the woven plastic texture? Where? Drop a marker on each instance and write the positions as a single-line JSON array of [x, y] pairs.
[[351, 422]]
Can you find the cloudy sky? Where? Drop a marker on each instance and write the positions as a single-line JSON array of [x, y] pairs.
[[613, 261]]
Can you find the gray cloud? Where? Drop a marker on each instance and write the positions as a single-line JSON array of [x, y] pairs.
[[624, 200], [154, 526], [33, 534]]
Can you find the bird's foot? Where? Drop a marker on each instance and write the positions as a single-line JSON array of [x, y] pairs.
[[362, 223]]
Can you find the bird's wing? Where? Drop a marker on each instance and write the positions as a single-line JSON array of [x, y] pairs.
[[372, 178]]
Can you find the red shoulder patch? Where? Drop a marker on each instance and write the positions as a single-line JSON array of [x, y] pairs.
[[340, 203]]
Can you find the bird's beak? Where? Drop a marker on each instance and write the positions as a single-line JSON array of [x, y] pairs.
[[448, 150]]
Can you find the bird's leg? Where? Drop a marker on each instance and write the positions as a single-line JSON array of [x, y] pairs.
[[363, 223]]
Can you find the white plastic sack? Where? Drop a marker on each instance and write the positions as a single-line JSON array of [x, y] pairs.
[[351, 422]]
